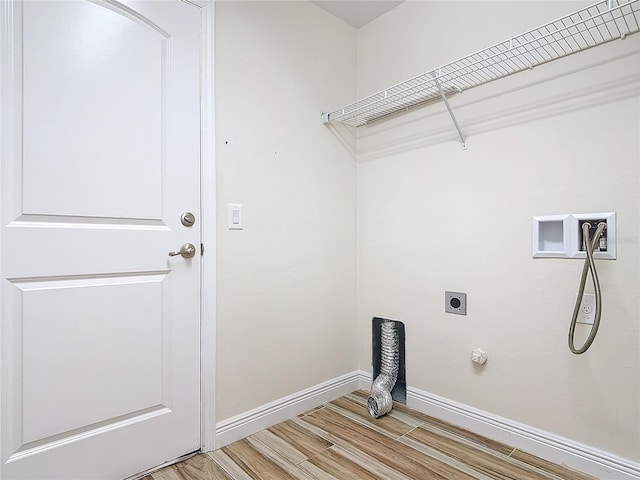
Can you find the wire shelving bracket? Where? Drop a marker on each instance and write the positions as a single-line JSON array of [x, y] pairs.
[[453, 117], [594, 25]]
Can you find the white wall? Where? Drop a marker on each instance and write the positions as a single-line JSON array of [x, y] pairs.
[[431, 217], [287, 282]]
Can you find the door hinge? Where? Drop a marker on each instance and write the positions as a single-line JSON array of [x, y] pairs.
[[201, 249]]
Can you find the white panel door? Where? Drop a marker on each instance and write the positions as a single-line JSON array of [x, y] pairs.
[[100, 327]]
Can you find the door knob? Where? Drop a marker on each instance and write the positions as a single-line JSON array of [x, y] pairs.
[[187, 251]]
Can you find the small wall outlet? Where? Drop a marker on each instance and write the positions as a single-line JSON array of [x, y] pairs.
[[587, 311], [455, 302]]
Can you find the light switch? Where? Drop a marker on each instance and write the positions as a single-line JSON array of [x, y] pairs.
[[235, 216]]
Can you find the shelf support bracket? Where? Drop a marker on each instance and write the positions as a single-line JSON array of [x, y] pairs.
[[453, 117]]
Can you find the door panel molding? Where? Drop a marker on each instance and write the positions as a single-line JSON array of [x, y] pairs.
[[83, 76], [142, 399], [72, 436], [73, 221]]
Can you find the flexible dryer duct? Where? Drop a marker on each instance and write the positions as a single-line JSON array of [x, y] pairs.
[[380, 401]]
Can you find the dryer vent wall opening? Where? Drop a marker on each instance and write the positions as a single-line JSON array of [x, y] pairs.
[[389, 375]]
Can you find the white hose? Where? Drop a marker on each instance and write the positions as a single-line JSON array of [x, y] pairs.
[[589, 266]]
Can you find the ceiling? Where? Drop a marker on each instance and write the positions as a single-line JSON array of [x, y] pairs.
[[357, 12]]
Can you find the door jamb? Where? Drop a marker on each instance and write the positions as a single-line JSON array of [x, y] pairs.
[[208, 230], [8, 142]]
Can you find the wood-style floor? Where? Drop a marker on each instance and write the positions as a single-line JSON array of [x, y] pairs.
[[341, 441]]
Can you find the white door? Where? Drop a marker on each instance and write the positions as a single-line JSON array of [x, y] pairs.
[[100, 157]]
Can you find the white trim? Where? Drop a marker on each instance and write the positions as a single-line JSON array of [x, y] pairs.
[[546, 445], [248, 423], [364, 380], [10, 116], [557, 449], [208, 232]]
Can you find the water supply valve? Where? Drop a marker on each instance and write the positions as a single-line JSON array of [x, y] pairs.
[[479, 356]]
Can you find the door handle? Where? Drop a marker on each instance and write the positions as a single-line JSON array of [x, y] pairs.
[[187, 251]]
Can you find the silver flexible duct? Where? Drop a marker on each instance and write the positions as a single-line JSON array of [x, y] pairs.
[[380, 401]]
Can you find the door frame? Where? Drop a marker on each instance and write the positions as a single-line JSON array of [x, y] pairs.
[[208, 230], [207, 197]]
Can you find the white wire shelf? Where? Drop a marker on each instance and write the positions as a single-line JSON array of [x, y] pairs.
[[597, 24]]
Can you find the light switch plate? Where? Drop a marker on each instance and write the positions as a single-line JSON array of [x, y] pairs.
[[235, 216]]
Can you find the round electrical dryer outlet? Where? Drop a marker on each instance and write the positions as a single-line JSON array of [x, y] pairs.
[[455, 302]]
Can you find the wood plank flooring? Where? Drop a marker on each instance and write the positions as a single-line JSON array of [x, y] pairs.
[[340, 441]]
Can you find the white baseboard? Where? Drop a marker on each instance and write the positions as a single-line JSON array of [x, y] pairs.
[[557, 449], [248, 423], [546, 445]]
